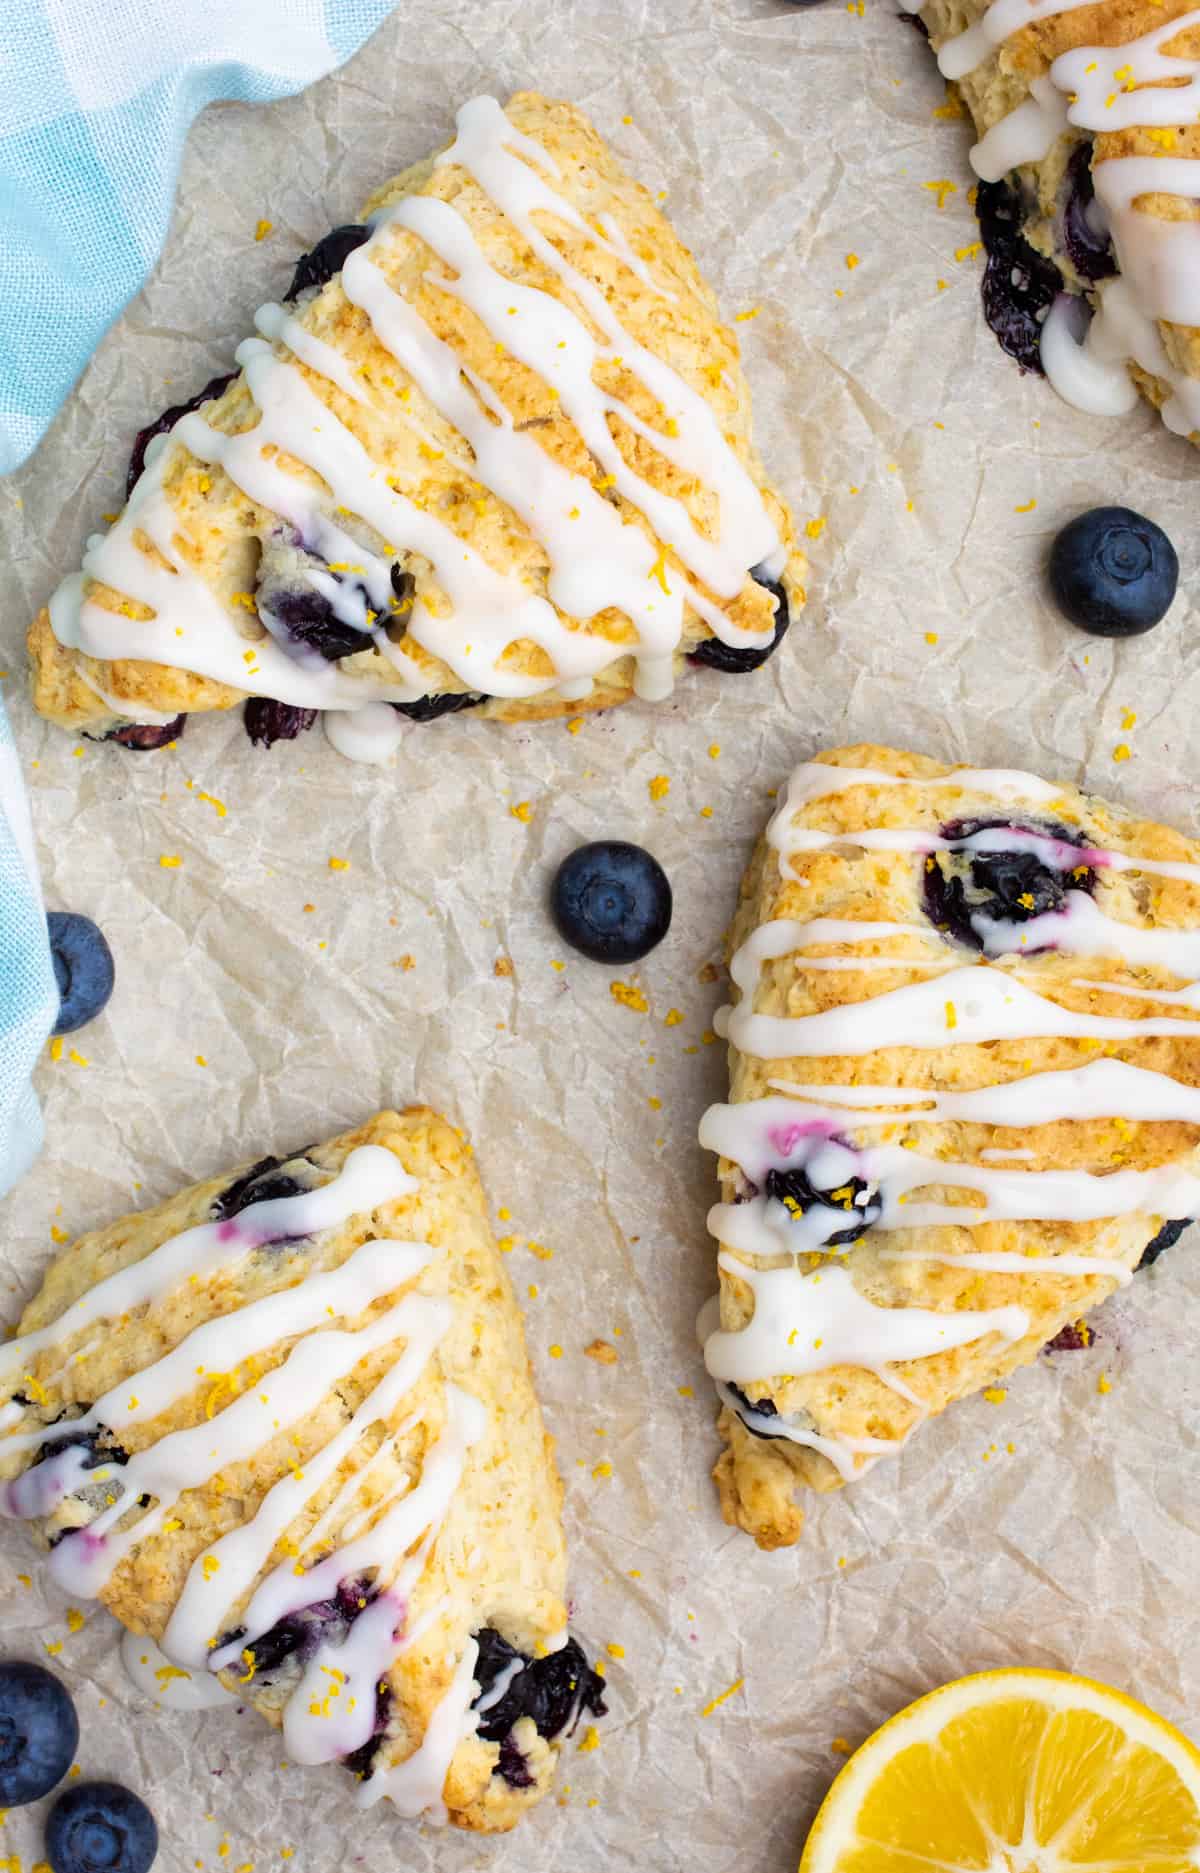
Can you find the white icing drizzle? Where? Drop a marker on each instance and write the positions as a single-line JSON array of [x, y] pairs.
[[597, 559], [384, 1543], [821, 1136], [1108, 89]]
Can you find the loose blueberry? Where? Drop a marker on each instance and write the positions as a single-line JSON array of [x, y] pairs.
[[1087, 245], [328, 257], [267, 722], [793, 1189], [145, 737], [168, 420], [611, 901], [260, 1184], [39, 1733], [1113, 572], [432, 708], [100, 1827], [1166, 1238], [1019, 284], [554, 1690], [1004, 887], [730, 659], [83, 969]]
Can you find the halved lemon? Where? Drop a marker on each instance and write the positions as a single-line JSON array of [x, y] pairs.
[[1015, 1772]]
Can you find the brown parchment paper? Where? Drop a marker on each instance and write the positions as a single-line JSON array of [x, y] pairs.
[[264, 999]]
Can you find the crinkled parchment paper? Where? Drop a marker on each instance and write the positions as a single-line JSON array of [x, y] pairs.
[[1061, 1528]]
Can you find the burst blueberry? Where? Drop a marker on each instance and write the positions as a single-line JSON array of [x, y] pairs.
[[554, 1691], [1166, 1238], [739, 660], [100, 1827], [1087, 246], [1113, 572], [611, 901], [145, 737], [1019, 284], [264, 1182], [855, 1199], [39, 1732], [267, 721], [328, 257], [83, 969], [963, 889], [432, 708], [168, 420]]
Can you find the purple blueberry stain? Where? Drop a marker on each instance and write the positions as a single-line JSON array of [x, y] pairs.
[[1024, 874], [145, 737], [1019, 284], [167, 421]]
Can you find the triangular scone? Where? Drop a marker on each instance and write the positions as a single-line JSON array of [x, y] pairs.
[[964, 1062], [500, 458], [284, 1424], [1089, 165]]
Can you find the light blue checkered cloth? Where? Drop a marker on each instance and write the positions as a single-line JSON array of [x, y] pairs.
[[28, 991], [96, 97]]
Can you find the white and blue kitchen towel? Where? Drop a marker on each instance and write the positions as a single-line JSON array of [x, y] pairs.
[[28, 991], [96, 97]]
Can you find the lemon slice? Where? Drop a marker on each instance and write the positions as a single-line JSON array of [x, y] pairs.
[[1015, 1772]]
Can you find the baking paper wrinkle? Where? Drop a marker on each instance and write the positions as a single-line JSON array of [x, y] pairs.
[[784, 146]]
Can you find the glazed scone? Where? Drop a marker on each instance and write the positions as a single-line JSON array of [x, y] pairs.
[[964, 1102], [1089, 200], [284, 1425], [493, 452]]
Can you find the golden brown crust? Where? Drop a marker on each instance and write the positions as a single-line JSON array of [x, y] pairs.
[[219, 529], [757, 1477], [498, 1559]]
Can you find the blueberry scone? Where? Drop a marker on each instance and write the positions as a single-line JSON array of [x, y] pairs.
[[284, 1425], [964, 1103], [493, 452], [1089, 197]]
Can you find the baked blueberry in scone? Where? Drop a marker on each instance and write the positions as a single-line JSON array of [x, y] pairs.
[[1089, 165], [284, 1425], [493, 452], [964, 1102]]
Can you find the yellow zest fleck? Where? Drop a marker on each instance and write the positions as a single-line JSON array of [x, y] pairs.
[[77, 1059], [263, 229], [246, 601], [37, 1392], [75, 1619], [931, 637], [659, 787], [574, 725], [995, 1394], [54, 1647], [204, 483], [591, 1740], [851, 262], [26, 1580], [629, 996], [941, 188], [522, 811], [1103, 1384], [601, 1471], [815, 527], [170, 861], [953, 107], [723, 1698], [706, 812], [1027, 507], [951, 1015], [1121, 751], [672, 1018], [841, 1747], [505, 1244], [556, 1352], [654, 1103], [56, 1048], [1128, 718], [659, 570], [541, 1251], [210, 1566], [968, 252], [57, 1234], [339, 864], [218, 806], [1164, 138], [741, 318], [614, 1650]]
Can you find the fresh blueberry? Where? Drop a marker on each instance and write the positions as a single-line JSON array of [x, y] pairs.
[[100, 1827], [83, 969], [267, 722], [39, 1733], [1019, 284], [793, 1189], [432, 708], [554, 1690], [1005, 887], [733, 660], [1166, 1238], [328, 257], [1087, 246], [144, 737], [1113, 572], [168, 420], [612, 901]]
